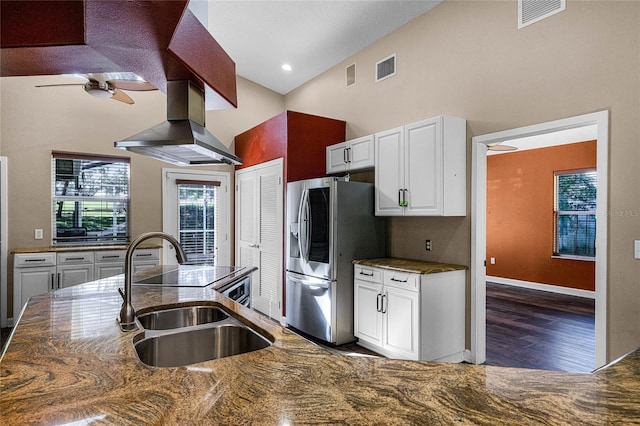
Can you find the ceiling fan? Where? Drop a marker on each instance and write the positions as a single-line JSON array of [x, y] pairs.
[[110, 85], [497, 146]]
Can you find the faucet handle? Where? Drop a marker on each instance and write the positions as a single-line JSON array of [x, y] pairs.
[[121, 293]]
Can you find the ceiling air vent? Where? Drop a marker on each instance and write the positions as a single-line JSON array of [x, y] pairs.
[[351, 75], [530, 11], [386, 68]]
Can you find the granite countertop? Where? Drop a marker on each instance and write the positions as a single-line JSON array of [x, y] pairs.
[[67, 361], [410, 265], [66, 248]]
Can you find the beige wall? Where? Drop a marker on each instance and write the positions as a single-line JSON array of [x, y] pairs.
[[469, 59], [36, 121]]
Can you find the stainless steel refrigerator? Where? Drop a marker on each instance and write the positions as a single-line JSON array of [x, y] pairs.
[[330, 222]]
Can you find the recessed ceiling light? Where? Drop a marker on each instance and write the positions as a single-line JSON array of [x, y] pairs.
[[286, 67]]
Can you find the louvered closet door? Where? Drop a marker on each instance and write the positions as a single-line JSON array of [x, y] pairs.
[[260, 233]]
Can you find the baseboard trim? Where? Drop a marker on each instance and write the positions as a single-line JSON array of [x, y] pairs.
[[543, 287]]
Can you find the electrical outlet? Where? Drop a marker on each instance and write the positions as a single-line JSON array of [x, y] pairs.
[[636, 251], [427, 245], [493, 260], [37, 234]]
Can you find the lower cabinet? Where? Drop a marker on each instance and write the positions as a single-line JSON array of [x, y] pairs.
[[38, 273], [409, 315]]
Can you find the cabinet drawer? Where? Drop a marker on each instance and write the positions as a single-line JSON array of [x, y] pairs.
[[34, 259], [74, 258], [367, 273], [399, 279], [146, 254], [109, 256]]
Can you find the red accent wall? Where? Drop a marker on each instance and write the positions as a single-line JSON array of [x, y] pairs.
[[520, 215], [299, 138]]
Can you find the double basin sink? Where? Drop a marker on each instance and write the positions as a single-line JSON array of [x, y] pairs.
[[187, 335]]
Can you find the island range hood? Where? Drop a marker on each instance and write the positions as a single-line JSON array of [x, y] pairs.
[[182, 139]]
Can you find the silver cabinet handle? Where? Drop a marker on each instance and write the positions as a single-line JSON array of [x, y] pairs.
[[35, 260], [52, 282], [345, 155], [366, 275], [58, 279], [75, 258], [348, 155], [384, 310], [399, 281], [378, 298]]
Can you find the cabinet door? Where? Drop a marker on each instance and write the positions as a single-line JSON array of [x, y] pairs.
[[367, 321], [69, 275], [389, 172], [337, 158], [401, 322], [361, 153], [31, 282], [106, 270], [423, 167]]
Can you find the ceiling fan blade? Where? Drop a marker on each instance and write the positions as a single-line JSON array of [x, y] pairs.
[[61, 84], [497, 147], [133, 85], [119, 95]]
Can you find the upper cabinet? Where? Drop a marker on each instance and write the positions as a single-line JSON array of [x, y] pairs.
[[300, 139], [420, 169], [356, 154]]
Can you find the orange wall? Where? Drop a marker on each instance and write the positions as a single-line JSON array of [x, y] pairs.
[[520, 215]]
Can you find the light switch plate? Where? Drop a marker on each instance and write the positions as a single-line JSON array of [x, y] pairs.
[[637, 249], [37, 234]]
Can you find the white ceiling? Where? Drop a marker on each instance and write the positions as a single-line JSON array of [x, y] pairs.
[[311, 36]]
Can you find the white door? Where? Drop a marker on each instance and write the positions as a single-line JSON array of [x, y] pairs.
[[32, 281], [69, 275], [367, 323], [196, 210], [336, 158], [361, 152], [259, 232], [400, 313], [389, 172], [423, 167]]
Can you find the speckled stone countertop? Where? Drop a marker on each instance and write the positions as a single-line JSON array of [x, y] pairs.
[[410, 265], [67, 361], [65, 248]]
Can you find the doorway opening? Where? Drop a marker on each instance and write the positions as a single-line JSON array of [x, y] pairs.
[[195, 210], [596, 122]]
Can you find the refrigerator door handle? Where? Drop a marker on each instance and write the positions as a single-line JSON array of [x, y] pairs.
[[303, 220]]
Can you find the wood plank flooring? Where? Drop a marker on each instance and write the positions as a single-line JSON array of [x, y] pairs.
[[538, 329]]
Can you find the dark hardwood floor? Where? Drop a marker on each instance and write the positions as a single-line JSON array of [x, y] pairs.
[[538, 329]]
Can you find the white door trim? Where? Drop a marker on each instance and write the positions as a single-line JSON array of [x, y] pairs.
[[478, 225], [4, 234], [169, 216]]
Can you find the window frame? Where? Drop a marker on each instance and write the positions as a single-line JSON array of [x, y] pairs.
[[87, 239], [557, 213]]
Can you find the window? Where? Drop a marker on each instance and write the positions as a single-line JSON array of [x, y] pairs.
[[575, 213], [90, 199], [197, 219]]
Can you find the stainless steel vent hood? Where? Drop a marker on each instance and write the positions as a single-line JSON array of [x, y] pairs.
[[182, 139]]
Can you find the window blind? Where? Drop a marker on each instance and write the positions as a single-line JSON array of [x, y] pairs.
[[90, 198]]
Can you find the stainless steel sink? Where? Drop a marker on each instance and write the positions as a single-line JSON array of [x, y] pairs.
[[181, 317], [198, 345]]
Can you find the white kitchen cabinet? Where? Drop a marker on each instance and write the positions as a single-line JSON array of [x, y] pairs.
[[73, 268], [38, 273], [420, 169], [408, 315], [109, 263], [356, 154]]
